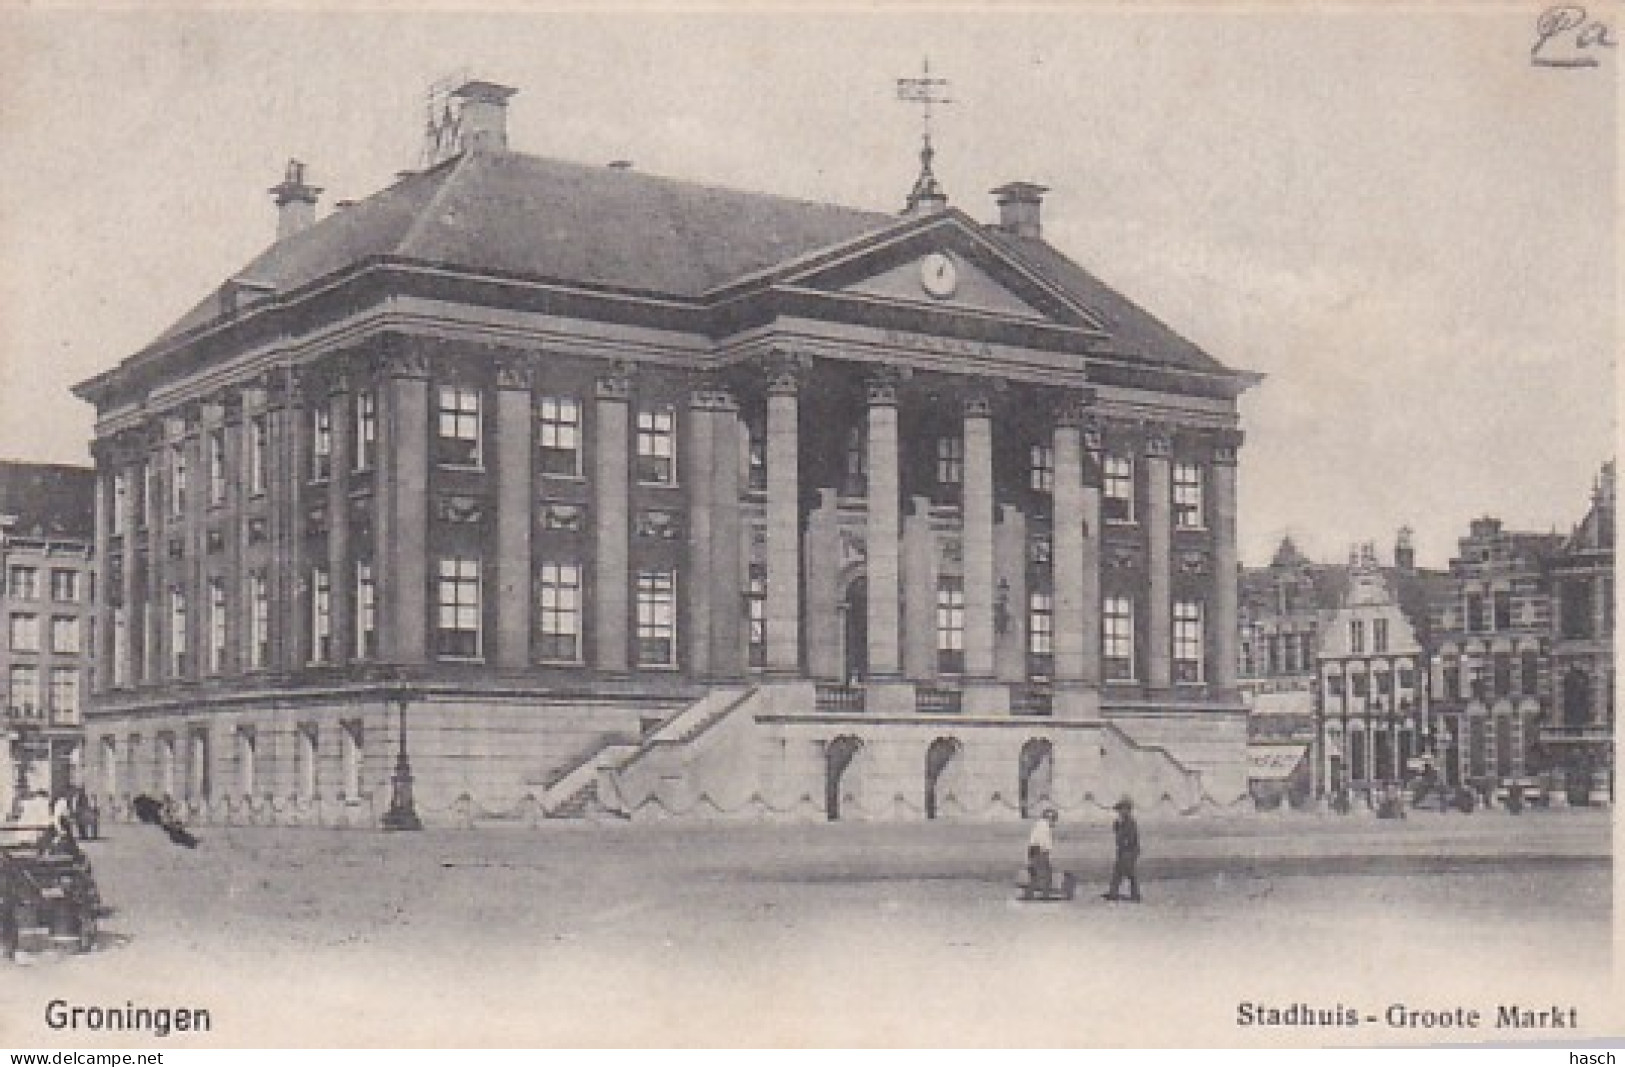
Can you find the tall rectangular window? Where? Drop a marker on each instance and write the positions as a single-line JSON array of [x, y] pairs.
[[177, 480], [950, 460], [1188, 642], [366, 430], [259, 443], [458, 444], [25, 633], [65, 635], [1531, 673], [1117, 488], [1503, 610], [350, 758], [657, 446], [64, 586], [65, 693], [1117, 637], [1379, 635], [22, 583], [457, 623], [1041, 468], [217, 625], [1357, 636], [120, 501], [121, 646], [755, 460], [1040, 633], [321, 615], [1450, 678], [23, 698], [217, 466], [756, 613], [560, 612], [177, 632], [142, 491], [657, 618], [951, 625], [560, 436], [259, 621], [1188, 509], [366, 611], [1477, 620], [1502, 667], [321, 443]]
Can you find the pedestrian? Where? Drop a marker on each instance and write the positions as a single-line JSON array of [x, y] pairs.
[[1040, 853], [1127, 835]]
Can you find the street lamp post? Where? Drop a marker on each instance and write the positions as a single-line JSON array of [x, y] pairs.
[[402, 814]]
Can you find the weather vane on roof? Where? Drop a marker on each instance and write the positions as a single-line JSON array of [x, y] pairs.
[[441, 133], [925, 91]]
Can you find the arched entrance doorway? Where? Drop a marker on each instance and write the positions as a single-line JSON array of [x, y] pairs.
[[1037, 776], [839, 755], [942, 762], [856, 632]]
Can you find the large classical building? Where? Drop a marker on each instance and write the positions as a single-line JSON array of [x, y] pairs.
[[592, 490], [46, 653]]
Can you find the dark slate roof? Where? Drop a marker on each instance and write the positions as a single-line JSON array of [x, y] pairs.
[[1134, 331], [510, 213], [48, 500], [507, 213]]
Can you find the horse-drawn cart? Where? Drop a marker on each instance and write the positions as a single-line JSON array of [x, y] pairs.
[[47, 891]]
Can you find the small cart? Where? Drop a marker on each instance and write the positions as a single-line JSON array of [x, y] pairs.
[[45, 891]]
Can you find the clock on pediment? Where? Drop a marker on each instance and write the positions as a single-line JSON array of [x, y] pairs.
[[939, 275]]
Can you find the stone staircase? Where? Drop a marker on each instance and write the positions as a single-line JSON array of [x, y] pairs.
[[577, 792]]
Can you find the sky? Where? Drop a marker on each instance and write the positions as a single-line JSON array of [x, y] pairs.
[[1391, 214]]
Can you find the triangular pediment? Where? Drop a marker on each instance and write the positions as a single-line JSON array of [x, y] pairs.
[[946, 264]]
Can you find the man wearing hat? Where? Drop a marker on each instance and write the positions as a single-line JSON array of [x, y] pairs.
[[1127, 834], [1040, 852]]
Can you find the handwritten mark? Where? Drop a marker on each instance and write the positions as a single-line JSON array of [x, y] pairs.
[[1564, 36]]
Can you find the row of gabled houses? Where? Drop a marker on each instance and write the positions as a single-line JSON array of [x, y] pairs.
[[1496, 670]]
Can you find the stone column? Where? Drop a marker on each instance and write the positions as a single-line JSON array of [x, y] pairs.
[[192, 571], [884, 528], [982, 695], [1093, 675], [698, 593], [288, 469], [611, 495], [1159, 557], [728, 639], [132, 610], [1222, 618], [1074, 697], [341, 424], [403, 573], [156, 604], [783, 519], [514, 429], [102, 615], [232, 429]]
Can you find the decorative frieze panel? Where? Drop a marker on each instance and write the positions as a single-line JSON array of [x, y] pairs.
[[1124, 557], [659, 525], [1194, 562], [460, 509], [216, 540], [1040, 550], [316, 521], [571, 517], [259, 530]]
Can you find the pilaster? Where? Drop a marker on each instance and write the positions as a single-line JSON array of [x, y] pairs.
[[611, 490], [1159, 553], [514, 452]]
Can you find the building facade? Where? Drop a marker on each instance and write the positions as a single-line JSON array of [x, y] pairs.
[[1491, 679], [46, 602], [1577, 735], [591, 490], [1372, 684]]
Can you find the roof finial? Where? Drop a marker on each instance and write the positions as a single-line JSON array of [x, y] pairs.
[[927, 195]]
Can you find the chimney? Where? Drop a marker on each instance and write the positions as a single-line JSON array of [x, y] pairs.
[[1019, 208], [1404, 551], [482, 120], [295, 201]]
